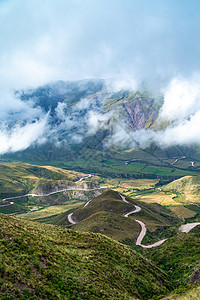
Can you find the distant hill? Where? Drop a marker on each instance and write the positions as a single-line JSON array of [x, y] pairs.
[[187, 189], [48, 262], [20, 184]]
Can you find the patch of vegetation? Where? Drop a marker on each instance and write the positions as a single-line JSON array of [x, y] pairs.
[[39, 261], [19, 178], [178, 256]]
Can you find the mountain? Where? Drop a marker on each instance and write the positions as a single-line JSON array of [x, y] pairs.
[[48, 262], [93, 127]]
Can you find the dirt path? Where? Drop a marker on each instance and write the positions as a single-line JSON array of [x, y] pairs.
[[142, 235], [83, 178], [187, 227], [52, 193], [137, 208], [70, 219], [87, 203], [143, 228]]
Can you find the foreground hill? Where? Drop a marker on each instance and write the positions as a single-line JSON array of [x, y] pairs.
[[46, 262]]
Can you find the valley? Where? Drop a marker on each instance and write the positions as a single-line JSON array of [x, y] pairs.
[[144, 215]]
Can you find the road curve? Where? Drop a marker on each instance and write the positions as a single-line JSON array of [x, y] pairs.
[[142, 235], [83, 178], [87, 203], [184, 228], [137, 208], [187, 227], [143, 228], [123, 198], [70, 219]]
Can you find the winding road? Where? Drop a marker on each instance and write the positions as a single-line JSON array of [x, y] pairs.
[[184, 228], [83, 178], [142, 235], [52, 193], [143, 228]]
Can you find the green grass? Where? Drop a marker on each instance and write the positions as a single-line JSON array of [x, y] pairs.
[[104, 214], [49, 211], [13, 209], [192, 294], [39, 261], [111, 224], [20, 178], [178, 256]]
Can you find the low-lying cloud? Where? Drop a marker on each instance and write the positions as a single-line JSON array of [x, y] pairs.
[[20, 137], [178, 121], [131, 42]]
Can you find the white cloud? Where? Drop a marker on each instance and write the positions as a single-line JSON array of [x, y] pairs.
[[96, 121], [84, 103], [182, 98], [21, 137]]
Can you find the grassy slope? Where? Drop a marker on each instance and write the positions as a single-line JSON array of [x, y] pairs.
[[104, 214], [193, 294], [187, 188], [19, 178], [49, 211], [110, 224], [46, 262], [179, 255], [111, 201]]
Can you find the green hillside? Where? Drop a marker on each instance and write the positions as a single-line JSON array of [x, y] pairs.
[[105, 214], [19, 179], [179, 256], [187, 188], [40, 261]]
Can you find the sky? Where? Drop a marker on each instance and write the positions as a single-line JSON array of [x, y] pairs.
[[128, 40], [73, 39]]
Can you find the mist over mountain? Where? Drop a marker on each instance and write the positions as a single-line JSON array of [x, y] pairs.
[[69, 113]]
